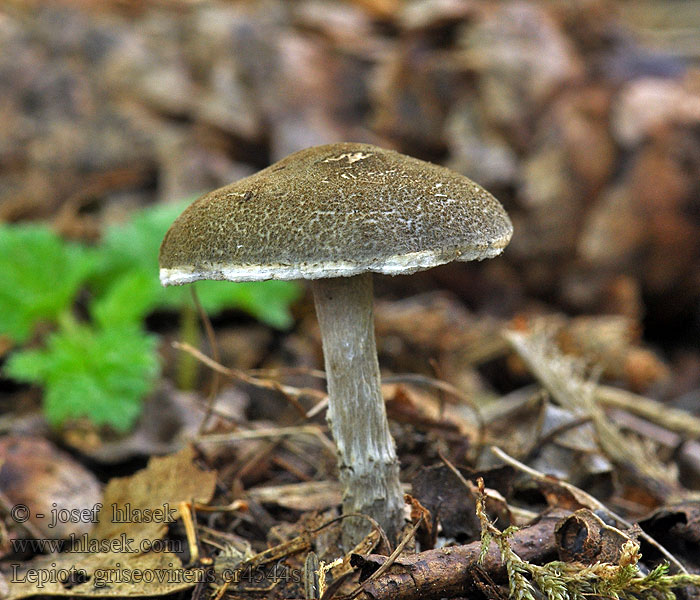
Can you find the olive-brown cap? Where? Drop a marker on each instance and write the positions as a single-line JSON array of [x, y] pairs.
[[334, 211]]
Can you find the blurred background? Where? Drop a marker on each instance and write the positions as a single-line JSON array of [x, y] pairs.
[[583, 119]]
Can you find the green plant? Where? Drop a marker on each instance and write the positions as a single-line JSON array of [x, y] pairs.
[[132, 248], [41, 275], [128, 268], [102, 368], [98, 372]]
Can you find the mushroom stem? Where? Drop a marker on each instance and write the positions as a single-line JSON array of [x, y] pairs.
[[369, 469]]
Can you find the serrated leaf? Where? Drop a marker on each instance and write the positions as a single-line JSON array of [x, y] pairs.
[[133, 247], [127, 301], [29, 366], [267, 301], [41, 274], [99, 373]]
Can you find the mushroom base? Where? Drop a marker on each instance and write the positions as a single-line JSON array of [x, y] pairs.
[[369, 469]]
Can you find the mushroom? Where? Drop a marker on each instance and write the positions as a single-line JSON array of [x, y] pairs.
[[335, 214]]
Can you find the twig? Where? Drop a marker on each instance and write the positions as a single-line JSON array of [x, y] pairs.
[[317, 408], [235, 506], [374, 524], [185, 510], [268, 433], [551, 435], [281, 371], [680, 421], [468, 485], [295, 393], [389, 562], [288, 390], [211, 337]]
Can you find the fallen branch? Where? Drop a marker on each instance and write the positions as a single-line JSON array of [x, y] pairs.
[[447, 572]]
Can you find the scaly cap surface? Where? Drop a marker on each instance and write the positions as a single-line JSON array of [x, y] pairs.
[[332, 211]]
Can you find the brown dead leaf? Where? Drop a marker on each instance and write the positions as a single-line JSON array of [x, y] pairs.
[[163, 483], [113, 574], [34, 473], [427, 533], [677, 528], [451, 503], [404, 406], [125, 557]]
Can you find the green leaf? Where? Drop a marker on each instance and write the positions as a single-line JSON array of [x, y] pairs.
[[267, 301], [27, 365], [41, 275], [127, 301], [100, 373], [133, 248], [135, 244]]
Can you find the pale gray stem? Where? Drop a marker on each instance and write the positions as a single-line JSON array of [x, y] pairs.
[[369, 469]]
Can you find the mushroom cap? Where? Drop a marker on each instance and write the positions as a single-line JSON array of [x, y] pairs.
[[334, 211]]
